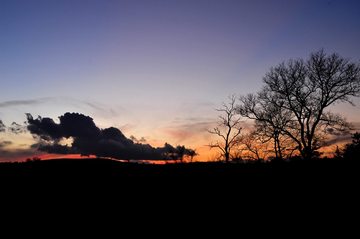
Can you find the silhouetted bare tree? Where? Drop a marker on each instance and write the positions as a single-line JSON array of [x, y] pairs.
[[270, 120], [253, 147], [228, 129], [302, 91], [191, 153]]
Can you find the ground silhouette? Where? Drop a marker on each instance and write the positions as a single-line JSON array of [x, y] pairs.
[[99, 168]]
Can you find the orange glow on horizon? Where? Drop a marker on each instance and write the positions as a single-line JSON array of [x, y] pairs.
[[61, 156], [205, 154]]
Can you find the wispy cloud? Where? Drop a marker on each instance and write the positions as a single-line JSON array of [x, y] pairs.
[[12, 103], [5, 143], [189, 129], [338, 139], [101, 109], [127, 127], [92, 107], [7, 155], [89, 106], [195, 129], [355, 126]]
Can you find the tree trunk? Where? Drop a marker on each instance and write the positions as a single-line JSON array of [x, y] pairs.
[[275, 147], [279, 151], [227, 157], [278, 154], [307, 153]]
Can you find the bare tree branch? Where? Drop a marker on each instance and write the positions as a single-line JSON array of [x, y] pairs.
[[228, 129]]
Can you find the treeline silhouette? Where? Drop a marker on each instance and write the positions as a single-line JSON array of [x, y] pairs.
[[343, 167], [351, 150]]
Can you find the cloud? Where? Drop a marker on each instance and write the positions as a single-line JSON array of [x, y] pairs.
[[5, 143], [16, 128], [101, 108], [95, 107], [7, 155], [185, 131], [2, 126], [355, 126], [338, 139], [44, 128], [53, 148], [342, 138], [23, 102], [88, 139]]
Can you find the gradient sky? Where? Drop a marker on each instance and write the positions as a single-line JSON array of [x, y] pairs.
[[157, 68]]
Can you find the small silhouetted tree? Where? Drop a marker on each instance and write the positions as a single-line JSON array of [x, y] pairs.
[[352, 150], [180, 152], [191, 153], [304, 90], [228, 129]]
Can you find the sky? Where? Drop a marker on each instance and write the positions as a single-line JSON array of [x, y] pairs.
[[157, 68]]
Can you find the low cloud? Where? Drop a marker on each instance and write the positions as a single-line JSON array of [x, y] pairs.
[[7, 155], [343, 138], [88, 139], [196, 128], [355, 126], [338, 139], [5, 143]]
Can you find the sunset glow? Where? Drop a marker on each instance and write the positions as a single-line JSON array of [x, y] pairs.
[[151, 71]]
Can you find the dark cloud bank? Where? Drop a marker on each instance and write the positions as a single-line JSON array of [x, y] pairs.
[[88, 139]]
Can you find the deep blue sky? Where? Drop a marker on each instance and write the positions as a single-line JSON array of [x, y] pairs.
[[154, 66]]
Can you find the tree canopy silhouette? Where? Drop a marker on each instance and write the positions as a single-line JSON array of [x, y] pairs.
[[270, 121], [296, 95], [352, 150]]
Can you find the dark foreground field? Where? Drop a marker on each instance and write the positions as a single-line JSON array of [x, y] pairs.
[[103, 168], [316, 181]]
